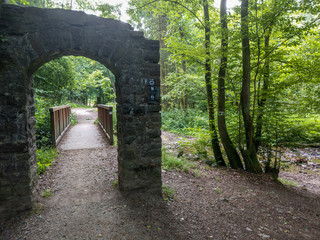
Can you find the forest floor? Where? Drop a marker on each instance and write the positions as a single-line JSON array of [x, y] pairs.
[[215, 203]]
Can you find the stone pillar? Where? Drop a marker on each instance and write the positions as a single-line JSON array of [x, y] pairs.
[[139, 122], [17, 143]]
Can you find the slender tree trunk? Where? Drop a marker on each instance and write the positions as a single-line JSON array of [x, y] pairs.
[[233, 156], [184, 98], [214, 136], [263, 99], [162, 28], [250, 154], [185, 94]]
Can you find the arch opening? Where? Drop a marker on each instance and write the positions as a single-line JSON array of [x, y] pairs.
[[75, 81]]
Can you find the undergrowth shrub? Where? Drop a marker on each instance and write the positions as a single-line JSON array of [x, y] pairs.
[[180, 121], [170, 162], [201, 145], [167, 193], [43, 130], [45, 158], [302, 130]]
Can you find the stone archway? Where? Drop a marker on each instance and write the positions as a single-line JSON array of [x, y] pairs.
[[30, 37]]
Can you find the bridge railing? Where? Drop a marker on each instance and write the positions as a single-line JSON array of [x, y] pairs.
[[60, 122], [105, 121]]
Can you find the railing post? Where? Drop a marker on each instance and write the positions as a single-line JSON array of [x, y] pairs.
[[110, 121], [60, 122], [106, 121], [53, 130]]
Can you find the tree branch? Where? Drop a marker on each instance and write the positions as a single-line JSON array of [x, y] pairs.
[[286, 40], [175, 2]]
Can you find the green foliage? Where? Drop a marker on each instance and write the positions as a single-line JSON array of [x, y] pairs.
[[169, 162], [78, 105], [167, 193], [20, 2], [73, 119], [115, 183], [110, 11], [45, 158], [301, 130], [202, 142], [183, 121], [74, 79], [54, 80], [288, 182], [43, 130], [37, 208], [218, 190], [46, 193]]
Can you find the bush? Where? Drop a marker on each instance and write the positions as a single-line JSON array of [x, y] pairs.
[[45, 158], [180, 121], [43, 129]]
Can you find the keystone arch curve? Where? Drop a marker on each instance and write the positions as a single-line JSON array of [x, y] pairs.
[[30, 37]]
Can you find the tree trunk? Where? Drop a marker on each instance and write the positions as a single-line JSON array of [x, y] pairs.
[[162, 28], [262, 101], [185, 94], [184, 99], [233, 156], [250, 154], [214, 136]]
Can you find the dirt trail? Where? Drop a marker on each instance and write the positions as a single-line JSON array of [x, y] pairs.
[[219, 204]]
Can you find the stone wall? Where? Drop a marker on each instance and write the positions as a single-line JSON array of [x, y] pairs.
[[30, 37]]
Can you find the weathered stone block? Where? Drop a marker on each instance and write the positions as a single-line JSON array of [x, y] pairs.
[[152, 56]]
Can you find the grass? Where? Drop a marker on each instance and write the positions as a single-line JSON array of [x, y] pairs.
[[170, 162], [218, 190], [167, 193], [37, 208], [288, 182], [73, 119], [46, 193], [115, 183], [45, 158], [197, 173]]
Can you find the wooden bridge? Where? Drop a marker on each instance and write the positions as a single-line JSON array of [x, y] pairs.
[[61, 121]]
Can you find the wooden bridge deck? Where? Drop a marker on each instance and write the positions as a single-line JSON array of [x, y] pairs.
[[85, 134]]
